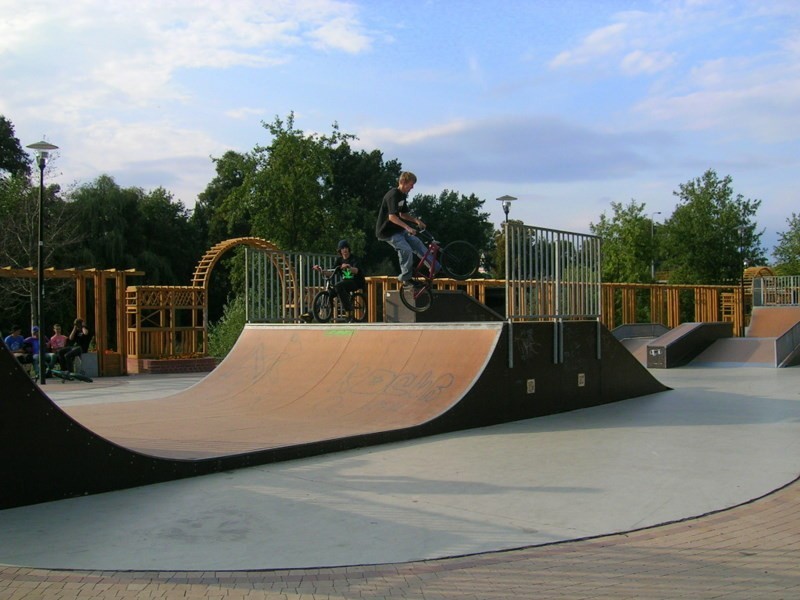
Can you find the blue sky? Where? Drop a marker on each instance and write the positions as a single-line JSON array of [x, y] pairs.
[[566, 104]]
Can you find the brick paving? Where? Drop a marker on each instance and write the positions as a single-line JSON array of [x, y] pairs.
[[747, 552]]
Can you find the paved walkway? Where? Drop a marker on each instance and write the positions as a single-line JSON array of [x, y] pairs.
[[746, 546], [752, 551]]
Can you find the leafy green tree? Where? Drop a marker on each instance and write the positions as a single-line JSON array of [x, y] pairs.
[[787, 252], [497, 257], [108, 215], [211, 215], [128, 228], [285, 194], [710, 233], [453, 216], [628, 246], [171, 244], [13, 158], [359, 180]]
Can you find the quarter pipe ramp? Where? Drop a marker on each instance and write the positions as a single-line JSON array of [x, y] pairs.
[[290, 391]]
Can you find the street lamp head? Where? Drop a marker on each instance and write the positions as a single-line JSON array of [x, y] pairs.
[[43, 148], [506, 202]]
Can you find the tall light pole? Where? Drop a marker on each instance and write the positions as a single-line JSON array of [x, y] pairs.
[[742, 231], [506, 201], [653, 245], [42, 150]]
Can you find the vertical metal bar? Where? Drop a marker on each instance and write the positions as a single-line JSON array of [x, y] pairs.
[[508, 258], [247, 278], [510, 344]]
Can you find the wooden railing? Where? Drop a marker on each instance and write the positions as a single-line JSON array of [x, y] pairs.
[[166, 322]]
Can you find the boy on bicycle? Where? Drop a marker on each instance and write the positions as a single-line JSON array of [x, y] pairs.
[[393, 226], [352, 277]]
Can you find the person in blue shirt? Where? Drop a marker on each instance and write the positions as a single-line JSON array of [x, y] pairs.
[[31, 345], [14, 340], [16, 345]]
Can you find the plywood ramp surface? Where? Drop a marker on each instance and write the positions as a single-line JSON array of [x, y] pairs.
[[772, 321], [739, 350], [287, 385]]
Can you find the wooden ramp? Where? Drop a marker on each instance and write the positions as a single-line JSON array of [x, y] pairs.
[[284, 386]]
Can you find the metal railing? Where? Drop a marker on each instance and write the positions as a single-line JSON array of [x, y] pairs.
[[551, 274], [776, 290], [280, 286]]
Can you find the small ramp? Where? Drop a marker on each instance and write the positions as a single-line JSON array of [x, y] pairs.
[[684, 343], [771, 340], [636, 336]]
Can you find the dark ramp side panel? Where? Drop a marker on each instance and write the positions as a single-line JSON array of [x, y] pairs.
[[287, 392]]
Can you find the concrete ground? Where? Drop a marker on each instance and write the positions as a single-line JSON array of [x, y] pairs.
[[687, 493]]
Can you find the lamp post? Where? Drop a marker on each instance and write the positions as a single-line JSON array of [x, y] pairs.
[[653, 245], [742, 230], [506, 201], [42, 150]]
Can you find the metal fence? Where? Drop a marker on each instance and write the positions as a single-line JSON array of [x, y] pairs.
[[551, 274], [280, 286], [776, 291]]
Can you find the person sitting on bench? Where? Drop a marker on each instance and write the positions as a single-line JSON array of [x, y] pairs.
[[77, 343]]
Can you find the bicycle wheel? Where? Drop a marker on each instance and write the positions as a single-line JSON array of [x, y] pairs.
[[460, 259], [418, 299], [322, 307], [359, 307]]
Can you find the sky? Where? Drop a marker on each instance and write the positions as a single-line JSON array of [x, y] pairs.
[[567, 105]]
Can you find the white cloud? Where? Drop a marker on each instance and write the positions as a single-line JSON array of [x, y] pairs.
[[598, 43], [517, 149], [244, 112], [640, 62], [136, 48]]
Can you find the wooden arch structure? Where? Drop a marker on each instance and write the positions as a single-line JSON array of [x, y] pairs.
[[166, 322]]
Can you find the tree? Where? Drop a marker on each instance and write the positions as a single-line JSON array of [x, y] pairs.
[[359, 180], [628, 246], [710, 232], [13, 159], [787, 252], [211, 214], [453, 216], [128, 228], [285, 194], [19, 237], [497, 257]]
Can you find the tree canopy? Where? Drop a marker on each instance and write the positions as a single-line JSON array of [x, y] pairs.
[[628, 243], [13, 158], [787, 252], [711, 233]]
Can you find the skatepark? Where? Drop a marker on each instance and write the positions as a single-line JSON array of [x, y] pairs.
[[719, 438], [310, 464]]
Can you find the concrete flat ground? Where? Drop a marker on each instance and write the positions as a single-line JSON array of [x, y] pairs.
[[596, 503]]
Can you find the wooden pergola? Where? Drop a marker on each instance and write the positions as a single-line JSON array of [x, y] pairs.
[[107, 362]]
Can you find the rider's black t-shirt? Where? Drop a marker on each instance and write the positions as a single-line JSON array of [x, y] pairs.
[[394, 203], [352, 260]]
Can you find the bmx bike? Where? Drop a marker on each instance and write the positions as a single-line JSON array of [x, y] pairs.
[[65, 376], [327, 305], [458, 260]]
